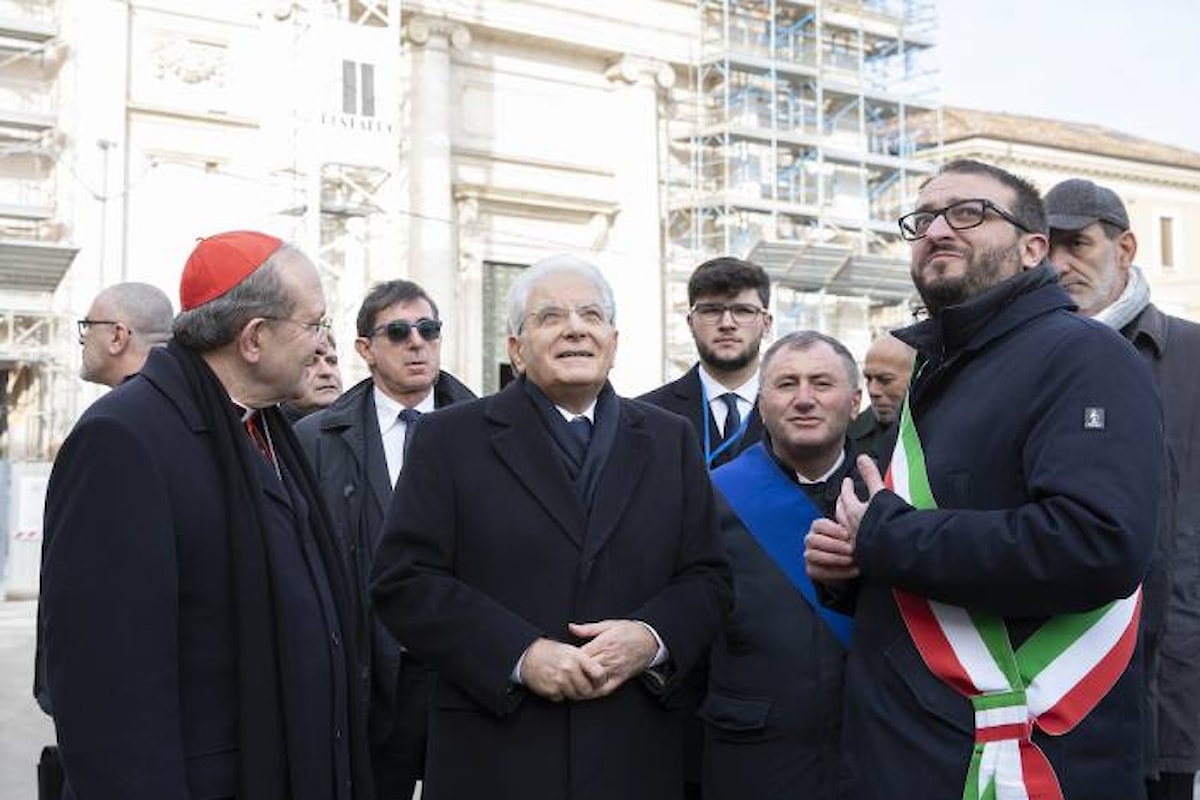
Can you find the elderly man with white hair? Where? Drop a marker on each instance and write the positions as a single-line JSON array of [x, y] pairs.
[[556, 560]]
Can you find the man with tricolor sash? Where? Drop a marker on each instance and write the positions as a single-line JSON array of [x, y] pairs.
[[996, 576], [772, 711]]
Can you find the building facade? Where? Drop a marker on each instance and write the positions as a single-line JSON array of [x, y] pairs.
[[455, 143], [1159, 184]]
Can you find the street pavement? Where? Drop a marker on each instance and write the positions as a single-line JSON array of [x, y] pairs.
[[24, 729]]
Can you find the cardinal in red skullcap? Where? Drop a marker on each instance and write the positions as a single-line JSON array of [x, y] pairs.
[[199, 637]]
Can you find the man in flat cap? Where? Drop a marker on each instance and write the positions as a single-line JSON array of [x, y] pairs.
[[1093, 247], [200, 633]]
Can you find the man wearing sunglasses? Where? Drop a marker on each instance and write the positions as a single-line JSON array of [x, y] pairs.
[[122, 324], [357, 447], [996, 580], [728, 317]]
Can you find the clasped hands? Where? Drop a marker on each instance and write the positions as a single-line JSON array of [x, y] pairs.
[[616, 650], [829, 545]]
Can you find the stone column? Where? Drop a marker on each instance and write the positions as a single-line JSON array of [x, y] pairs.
[[634, 263], [468, 332], [433, 261]]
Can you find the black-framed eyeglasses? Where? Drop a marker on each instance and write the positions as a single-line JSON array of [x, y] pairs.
[[742, 313], [84, 324], [397, 330], [960, 216], [320, 327]]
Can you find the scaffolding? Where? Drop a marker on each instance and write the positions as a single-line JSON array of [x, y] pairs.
[[795, 148], [35, 250], [347, 208]]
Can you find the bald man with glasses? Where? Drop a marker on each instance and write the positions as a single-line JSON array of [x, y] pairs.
[[357, 447], [123, 323]]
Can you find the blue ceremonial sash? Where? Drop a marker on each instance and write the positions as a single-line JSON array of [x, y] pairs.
[[777, 513]]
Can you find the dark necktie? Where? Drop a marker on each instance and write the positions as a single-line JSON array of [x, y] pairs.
[[733, 417], [258, 435], [410, 417], [581, 427]]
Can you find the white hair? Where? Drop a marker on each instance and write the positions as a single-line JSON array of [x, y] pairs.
[[518, 295]]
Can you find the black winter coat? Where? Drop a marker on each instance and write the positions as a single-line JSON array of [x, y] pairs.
[[1041, 511]]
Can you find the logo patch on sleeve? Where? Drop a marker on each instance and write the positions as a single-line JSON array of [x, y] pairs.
[[1093, 418]]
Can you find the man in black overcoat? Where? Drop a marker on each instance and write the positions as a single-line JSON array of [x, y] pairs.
[[357, 449], [200, 632], [555, 559]]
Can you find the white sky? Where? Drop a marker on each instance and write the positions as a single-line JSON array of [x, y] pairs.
[[1129, 65]]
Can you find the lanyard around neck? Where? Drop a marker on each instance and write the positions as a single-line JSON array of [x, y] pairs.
[[711, 455]]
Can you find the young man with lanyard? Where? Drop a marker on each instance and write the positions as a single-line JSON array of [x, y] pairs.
[[995, 650], [728, 315]]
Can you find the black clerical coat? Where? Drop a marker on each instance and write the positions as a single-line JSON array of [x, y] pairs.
[[139, 609]]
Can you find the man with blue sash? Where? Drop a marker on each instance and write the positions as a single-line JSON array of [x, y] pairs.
[[773, 707]]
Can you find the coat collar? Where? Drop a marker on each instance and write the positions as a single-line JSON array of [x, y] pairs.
[[688, 385], [1151, 326], [352, 418], [989, 315], [163, 371], [522, 443]]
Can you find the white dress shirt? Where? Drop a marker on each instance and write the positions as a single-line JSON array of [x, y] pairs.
[[747, 394], [393, 431]]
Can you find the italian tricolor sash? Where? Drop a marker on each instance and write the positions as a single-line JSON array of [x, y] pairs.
[[1052, 681]]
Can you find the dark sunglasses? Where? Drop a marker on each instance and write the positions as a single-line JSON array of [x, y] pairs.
[[398, 329]]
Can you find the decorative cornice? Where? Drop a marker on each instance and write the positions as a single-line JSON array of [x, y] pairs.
[[641, 71], [421, 29]]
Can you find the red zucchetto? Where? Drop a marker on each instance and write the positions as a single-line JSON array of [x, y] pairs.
[[221, 262]]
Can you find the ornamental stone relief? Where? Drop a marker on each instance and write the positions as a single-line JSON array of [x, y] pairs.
[[191, 62]]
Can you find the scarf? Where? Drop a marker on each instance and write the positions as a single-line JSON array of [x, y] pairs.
[[584, 468], [261, 673], [1133, 301]]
